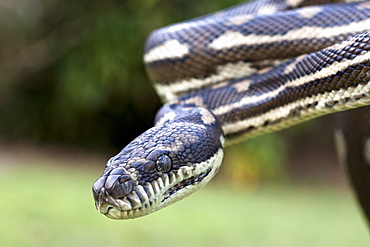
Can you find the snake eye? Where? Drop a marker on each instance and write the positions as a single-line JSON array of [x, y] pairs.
[[164, 163]]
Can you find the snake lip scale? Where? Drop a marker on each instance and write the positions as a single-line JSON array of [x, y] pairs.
[[248, 70]]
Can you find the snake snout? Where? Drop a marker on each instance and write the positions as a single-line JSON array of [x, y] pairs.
[[121, 187], [108, 191], [117, 183]]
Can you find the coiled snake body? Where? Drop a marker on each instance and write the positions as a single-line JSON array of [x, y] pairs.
[[251, 69]]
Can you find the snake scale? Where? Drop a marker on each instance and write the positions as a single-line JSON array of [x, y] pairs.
[[254, 68]]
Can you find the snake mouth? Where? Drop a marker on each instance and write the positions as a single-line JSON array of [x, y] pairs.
[[163, 191], [136, 205], [185, 183]]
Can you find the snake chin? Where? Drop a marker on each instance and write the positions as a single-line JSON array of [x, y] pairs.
[[164, 191]]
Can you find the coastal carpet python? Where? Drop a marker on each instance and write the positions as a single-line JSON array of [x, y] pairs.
[[237, 73]]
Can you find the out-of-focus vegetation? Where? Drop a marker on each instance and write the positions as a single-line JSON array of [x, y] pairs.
[[72, 72], [46, 203]]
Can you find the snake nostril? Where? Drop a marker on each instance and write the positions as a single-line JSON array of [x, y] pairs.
[[122, 187], [109, 207]]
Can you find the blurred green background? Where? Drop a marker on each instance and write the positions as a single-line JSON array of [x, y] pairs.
[[74, 91]]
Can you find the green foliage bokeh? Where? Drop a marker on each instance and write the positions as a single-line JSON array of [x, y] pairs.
[[72, 71]]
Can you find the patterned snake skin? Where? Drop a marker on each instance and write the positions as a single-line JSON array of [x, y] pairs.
[[241, 72]]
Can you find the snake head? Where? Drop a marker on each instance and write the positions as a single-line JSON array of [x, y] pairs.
[[163, 165]]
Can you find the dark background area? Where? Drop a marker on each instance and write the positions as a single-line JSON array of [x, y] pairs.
[[72, 75]]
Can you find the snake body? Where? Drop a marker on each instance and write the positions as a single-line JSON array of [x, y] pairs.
[[248, 70]]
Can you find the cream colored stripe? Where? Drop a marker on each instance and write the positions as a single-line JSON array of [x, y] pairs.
[[242, 86], [223, 72], [233, 38], [330, 70], [293, 65], [239, 19], [169, 116], [309, 12], [294, 3], [247, 100], [343, 44], [283, 112], [170, 49], [189, 24], [268, 9]]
